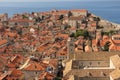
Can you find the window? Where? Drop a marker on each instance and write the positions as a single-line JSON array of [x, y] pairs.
[[98, 63], [71, 44], [81, 64], [90, 63]]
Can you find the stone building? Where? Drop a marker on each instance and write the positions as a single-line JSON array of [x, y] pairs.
[[70, 46], [76, 21], [3, 17], [32, 71], [89, 66], [21, 22], [79, 12]]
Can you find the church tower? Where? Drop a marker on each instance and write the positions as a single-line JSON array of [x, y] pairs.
[[99, 34], [98, 39], [70, 47]]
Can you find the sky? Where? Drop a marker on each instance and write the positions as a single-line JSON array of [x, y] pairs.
[[46, 0], [34, 0]]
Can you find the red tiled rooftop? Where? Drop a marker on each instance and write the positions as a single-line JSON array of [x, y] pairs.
[[79, 10], [34, 67], [63, 35], [62, 52], [5, 75], [114, 47], [46, 75], [3, 42], [116, 41], [11, 34], [60, 12], [16, 73], [94, 41], [103, 42], [93, 24], [11, 65], [17, 59], [21, 20], [76, 18], [41, 48]]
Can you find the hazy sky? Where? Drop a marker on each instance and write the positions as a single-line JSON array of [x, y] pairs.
[[46, 0], [34, 0]]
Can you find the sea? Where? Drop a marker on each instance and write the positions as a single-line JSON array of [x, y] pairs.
[[106, 9]]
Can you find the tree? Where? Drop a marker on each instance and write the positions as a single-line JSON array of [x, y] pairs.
[[24, 17], [106, 46], [37, 19], [57, 78], [67, 26], [61, 17], [111, 32], [105, 33], [96, 18], [72, 35], [82, 33]]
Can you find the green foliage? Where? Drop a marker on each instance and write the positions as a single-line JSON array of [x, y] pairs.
[[106, 46], [105, 33], [111, 32], [61, 17], [99, 27], [72, 35], [96, 18], [80, 33], [24, 17], [57, 78], [26, 26], [37, 19], [67, 26]]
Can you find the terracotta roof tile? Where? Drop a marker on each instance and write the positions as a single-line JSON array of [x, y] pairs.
[[11, 65], [3, 42], [46, 75], [34, 67], [76, 18], [16, 73], [21, 20], [11, 34], [79, 10]]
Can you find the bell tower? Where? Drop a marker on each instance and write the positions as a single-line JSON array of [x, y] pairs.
[[70, 46]]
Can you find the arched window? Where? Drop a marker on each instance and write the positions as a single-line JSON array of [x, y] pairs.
[[90, 63]]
